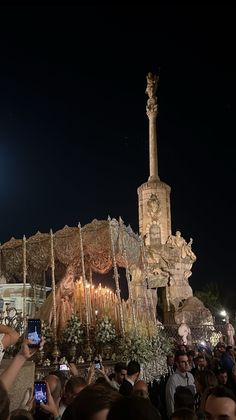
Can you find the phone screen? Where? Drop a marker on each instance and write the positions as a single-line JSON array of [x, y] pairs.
[[97, 364], [64, 367], [40, 392], [34, 332]]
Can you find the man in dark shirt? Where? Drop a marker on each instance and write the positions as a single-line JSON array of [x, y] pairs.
[[133, 372]]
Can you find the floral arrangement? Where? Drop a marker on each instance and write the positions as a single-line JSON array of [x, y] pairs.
[[162, 344], [215, 338], [134, 347], [46, 363], [105, 330], [46, 331], [150, 352], [73, 331]]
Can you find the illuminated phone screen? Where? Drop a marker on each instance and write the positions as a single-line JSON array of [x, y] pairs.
[[40, 392], [34, 332]]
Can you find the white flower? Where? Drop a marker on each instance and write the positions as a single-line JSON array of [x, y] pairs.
[[105, 330], [73, 331], [46, 331]]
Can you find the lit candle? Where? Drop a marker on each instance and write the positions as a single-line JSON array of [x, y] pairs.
[[92, 294]]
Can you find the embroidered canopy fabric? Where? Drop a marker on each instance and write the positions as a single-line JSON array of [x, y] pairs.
[[96, 244]]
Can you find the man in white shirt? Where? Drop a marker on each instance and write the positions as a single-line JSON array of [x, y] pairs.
[[181, 377]]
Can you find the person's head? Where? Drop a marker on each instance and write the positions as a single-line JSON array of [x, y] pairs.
[[140, 389], [222, 376], [21, 414], [181, 360], [73, 388], [170, 360], [205, 379], [220, 404], [54, 386], [183, 398], [201, 362], [120, 372], [133, 370], [221, 347], [62, 375], [183, 414], [133, 408], [92, 403], [4, 403]]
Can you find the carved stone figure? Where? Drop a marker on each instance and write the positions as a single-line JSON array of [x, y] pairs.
[[152, 81], [176, 240], [157, 270], [141, 295], [183, 332], [153, 207], [179, 242], [188, 250], [138, 284], [230, 332]]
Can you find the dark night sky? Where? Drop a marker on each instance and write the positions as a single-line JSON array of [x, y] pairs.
[[73, 128]]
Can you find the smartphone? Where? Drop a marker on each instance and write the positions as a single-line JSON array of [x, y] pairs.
[[40, 392], [97, 364], [64, 367], [34, 332]]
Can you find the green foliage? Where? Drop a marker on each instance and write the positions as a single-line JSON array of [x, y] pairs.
[[210, 296]]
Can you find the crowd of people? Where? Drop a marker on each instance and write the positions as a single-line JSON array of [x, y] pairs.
[[198, 385]]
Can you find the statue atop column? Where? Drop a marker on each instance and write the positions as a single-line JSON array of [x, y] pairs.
[[152, 81], [151, 89]]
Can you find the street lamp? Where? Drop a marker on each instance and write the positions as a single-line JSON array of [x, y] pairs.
[[223, 313]]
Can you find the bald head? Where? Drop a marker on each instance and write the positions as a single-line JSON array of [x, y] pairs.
[[54, 385], [140, 385]]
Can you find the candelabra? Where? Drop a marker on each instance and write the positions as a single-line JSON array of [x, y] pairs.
[[13, 318]]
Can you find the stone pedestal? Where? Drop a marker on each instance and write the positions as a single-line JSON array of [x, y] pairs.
[[154, 209], [24, 380]]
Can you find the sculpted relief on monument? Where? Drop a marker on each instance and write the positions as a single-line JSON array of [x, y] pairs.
[[153, 207]]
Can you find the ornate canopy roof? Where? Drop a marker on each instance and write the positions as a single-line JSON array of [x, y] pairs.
[[97, 249]]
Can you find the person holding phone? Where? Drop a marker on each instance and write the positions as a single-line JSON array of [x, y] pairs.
[[8, 337], [9, 375], [50, 406]]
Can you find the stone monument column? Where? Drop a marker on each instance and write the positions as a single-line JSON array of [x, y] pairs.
[[154, 195], [168, 258], [152, 111]]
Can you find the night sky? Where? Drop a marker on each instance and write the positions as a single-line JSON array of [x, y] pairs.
[[74, 131]]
